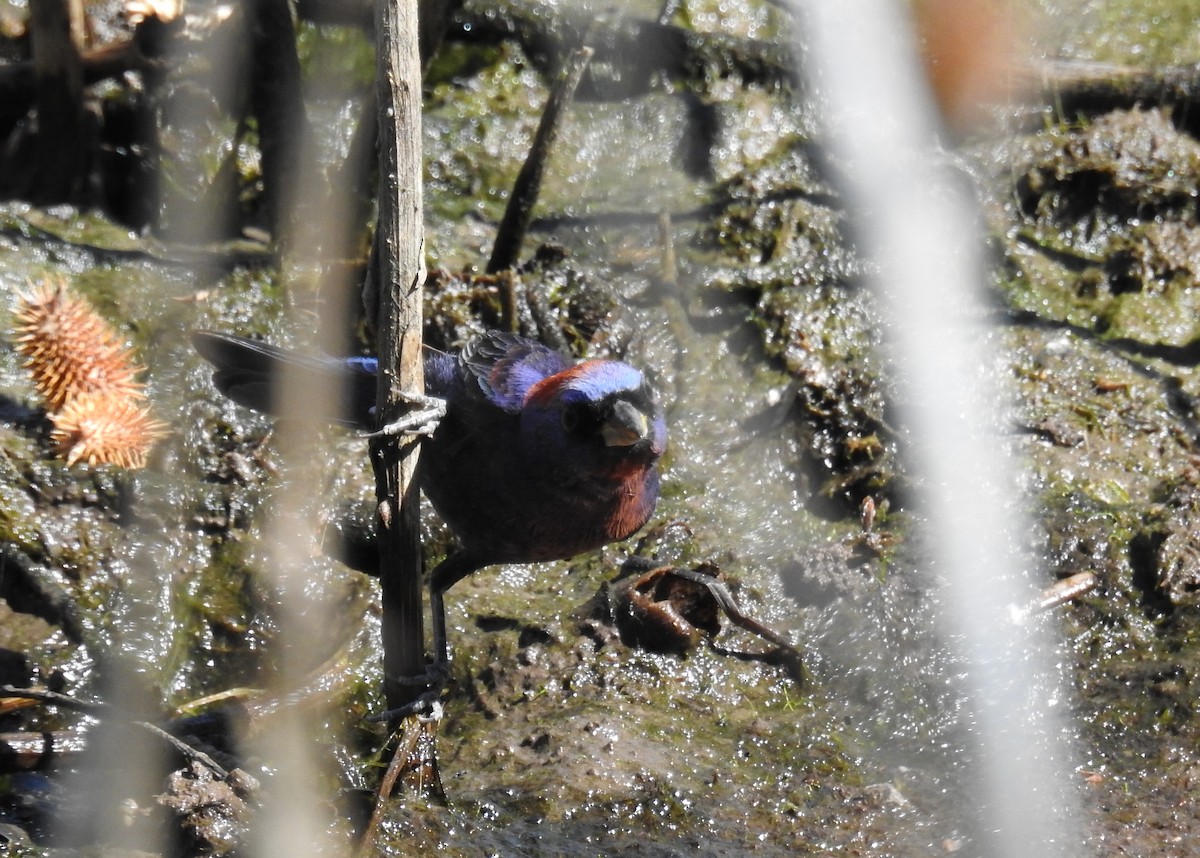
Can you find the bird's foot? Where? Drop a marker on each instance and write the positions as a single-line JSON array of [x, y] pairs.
[[429, 410], [436, 676], [427, 707], [428, 704]]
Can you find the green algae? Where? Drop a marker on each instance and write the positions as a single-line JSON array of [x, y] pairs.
[[1144, 32], [1117, 200]]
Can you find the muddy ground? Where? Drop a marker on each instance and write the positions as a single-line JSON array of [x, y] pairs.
[[569, 730]]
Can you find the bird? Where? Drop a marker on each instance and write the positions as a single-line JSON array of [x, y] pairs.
[[537, 457]]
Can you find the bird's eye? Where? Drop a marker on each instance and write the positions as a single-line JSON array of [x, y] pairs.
[[572, 418]]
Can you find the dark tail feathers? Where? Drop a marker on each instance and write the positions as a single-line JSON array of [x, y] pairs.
[[247, 371]]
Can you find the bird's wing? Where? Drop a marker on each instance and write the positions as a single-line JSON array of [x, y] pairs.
[[505, 366]]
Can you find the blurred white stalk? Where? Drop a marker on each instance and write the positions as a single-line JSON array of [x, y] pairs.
[[913, 222], [297, 814]]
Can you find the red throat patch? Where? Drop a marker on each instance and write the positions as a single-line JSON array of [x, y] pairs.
[[631, 511]]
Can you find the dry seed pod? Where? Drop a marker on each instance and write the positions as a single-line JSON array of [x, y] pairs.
[[69, 350], [87, 377], [105, 428]]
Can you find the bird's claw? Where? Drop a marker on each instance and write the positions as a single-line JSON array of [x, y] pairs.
[[427, 707], [422, 421], [437, 677]]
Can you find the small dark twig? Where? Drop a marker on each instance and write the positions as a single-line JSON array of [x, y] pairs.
[[184, 749], [519, 211], [53, 698]]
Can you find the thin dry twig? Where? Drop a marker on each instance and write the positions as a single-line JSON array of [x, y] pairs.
[[54, 698]]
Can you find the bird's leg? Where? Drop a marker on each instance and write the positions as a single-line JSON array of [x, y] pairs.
[[441, 641], [450, 571], [429, 410]]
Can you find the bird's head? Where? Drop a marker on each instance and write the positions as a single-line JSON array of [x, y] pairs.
[[600, 418]]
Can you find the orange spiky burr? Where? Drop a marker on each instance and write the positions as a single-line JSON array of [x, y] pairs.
[[87, 377], [108, 427], [69, 350]]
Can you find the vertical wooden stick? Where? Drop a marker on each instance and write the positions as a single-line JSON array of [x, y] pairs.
[[400, 263]]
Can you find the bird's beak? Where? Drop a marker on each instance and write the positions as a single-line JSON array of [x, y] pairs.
[[625, 426]]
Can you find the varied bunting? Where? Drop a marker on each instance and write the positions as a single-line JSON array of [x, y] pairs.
[[537, 457]]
